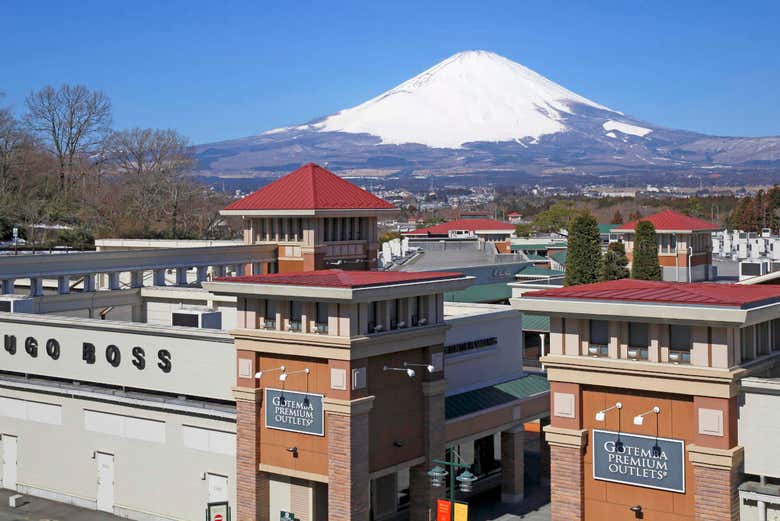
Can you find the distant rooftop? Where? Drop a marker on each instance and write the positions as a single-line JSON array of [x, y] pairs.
[[670, 221], [341, 278], [471, 225], [646, 291], [310, 187]]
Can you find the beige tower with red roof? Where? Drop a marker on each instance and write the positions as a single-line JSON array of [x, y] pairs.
[[317, 220], [684, 245]]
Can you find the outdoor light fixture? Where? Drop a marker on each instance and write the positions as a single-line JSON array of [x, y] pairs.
[[293, 451], [259, 374], [409, 372], [429, 367], [466, 480], [437, 474], [639, 419], [601, 415], [283, 376]]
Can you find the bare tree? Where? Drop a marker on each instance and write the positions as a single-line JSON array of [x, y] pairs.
[[71, 121], [152, 164]]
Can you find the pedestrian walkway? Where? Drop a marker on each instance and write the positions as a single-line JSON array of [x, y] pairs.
[[37, 509]]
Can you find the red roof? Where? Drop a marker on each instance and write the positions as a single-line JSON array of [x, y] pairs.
[[343, 279], [650, 291], [472, 225], [669, 220], [311, 187]]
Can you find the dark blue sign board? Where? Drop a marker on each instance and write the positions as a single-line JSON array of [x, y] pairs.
[[644, 461], [295, 412]]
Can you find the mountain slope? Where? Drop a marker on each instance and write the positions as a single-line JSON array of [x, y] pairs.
[[480, 111]]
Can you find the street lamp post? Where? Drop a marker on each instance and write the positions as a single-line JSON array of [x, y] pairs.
[[438, 473]]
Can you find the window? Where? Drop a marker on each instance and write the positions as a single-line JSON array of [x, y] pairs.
[[599, 338], [680, 344], [395, 312], [747, 337], [321, 319], [296, 312], [776, 334], [269, 317], [762, 338], [373, 316], [638, 340]]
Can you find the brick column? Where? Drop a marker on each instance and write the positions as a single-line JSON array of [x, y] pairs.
[[717, 475], [422, 496], [513, 464], [567, 473], [252, 491], [348, 450]]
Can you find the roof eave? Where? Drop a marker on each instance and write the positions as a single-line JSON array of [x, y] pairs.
[[361, 212]]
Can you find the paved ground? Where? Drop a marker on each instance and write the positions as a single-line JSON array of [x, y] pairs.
[[37, 509]]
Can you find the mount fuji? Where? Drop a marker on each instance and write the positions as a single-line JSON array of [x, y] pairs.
[[479, 112]]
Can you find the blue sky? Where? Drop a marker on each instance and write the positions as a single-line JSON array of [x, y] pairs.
[[225, 69]]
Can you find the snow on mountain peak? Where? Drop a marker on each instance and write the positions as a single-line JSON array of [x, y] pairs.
[[471, 96]]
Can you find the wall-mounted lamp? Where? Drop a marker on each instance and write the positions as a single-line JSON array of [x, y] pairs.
[[639, 419], [283, 376], [637, 510], [398, 444], [293, 451], [409, 372], [429, 367], [259, 374], [601, 415]]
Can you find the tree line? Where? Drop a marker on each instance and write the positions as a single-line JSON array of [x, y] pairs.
[[757, 212], [62, 162]]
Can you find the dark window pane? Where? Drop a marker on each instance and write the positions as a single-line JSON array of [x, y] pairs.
[[680, 338], [599, 332], [637, 335]]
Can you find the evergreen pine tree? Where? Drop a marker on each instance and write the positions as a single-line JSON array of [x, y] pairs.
[[584, 252], [645, 266], [614, 265], [617, 217]]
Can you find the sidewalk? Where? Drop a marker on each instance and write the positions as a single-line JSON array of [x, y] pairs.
[[37, 509]]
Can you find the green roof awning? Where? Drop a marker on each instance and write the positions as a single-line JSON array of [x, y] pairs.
[[484, 398], [536, 323], [484, 293], [534, 257], [607, 228], [536, 271], [559, 257], [537, 246]]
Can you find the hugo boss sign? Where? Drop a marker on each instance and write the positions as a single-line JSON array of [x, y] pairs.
[[113, 355]]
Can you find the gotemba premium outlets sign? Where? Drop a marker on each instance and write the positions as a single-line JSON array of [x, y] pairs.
[[293, 411], [644, 461]]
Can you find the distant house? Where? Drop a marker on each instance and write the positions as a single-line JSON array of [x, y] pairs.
[[684, 245], [486, 229], [515, 218]]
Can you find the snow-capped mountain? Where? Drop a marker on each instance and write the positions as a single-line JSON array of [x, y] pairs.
[[477, 110]]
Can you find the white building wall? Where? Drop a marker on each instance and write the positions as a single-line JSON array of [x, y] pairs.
[[484, 365], [759, 427], [159, 471]]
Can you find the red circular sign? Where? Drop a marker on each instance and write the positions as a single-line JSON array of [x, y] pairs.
[[218, 517]]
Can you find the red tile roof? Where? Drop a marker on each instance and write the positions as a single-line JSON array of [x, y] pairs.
[[669, 220], [696, 293], [464, 224], [311, 187], [343, 279]]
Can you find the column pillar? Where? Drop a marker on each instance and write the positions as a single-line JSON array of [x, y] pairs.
[[63, 285], [218, 271], [544, 452], [422, 495], [201, 274], [113, 281], [348, 454], [239, 269], [252, 490], [567, 473], [8, 286], [159, 277], [717, 475], [89, 283], [36, 287], [181, 276], [137, 279], [513, 464]]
